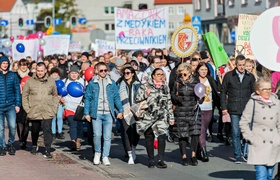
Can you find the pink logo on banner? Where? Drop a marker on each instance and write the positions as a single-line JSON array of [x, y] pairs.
[[276, 35]]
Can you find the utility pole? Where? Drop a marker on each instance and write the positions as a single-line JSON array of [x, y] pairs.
[[53, 15]]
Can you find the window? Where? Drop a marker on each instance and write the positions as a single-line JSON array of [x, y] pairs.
[[127, 6], [106, 10], [208, 4], [258, 0], [231, 2], [109, 10], [181, 10], [107, 28], [171, 10], [113, 27], [142, 6], [243, 2], [171, 25], [197, 5]]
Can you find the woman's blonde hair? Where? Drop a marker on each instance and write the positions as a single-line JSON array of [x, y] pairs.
[[184, 67], [260, 81]]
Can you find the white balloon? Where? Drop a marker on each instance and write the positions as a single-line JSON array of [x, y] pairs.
[[42, 42], [7, 43]]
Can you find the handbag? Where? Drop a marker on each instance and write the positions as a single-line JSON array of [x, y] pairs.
[[79, 113], [245, 149]]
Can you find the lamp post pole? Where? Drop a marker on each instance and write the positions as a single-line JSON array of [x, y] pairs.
[[53, 15]]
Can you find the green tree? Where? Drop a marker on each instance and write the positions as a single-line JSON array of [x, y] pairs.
[[64, 9]]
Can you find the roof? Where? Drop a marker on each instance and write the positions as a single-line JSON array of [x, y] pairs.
[[6, 6], [157, 2]]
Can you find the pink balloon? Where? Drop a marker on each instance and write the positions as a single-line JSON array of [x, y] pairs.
[[40, 53], [39, 34], [199, 90], [12, 38]]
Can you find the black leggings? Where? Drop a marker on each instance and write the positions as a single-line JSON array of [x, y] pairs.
[[22, 125], [130, 134], [47, 130], [183, 144], [149, 136]]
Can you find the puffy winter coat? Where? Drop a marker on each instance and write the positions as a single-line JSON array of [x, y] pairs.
[[9, 90], [187, 115]]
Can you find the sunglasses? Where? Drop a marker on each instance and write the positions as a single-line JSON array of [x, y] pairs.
[[184, 74], [195, 59], [265, 89], [127, 73], [134, 64], [103, 70], [159, 74]]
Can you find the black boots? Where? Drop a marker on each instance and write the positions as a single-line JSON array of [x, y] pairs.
[[204, 155]]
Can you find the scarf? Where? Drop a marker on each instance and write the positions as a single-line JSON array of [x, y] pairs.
[[127, 114], [157, 84], [23, 74], [268, 101]]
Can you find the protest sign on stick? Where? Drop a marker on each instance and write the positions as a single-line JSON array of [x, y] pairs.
[[56, 44], [103, 46], [243, 47], [141, 29], [31, 48]]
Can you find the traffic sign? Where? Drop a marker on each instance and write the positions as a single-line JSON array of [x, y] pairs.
[[196, 23], [82, 20], [4, 22], [29, 22], [233, 35], [57, 21]]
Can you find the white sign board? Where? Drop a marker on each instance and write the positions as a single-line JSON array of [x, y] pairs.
[[31, 49], [103, 46], [56, 44], [265, 39], [141, 29], [75, 47]]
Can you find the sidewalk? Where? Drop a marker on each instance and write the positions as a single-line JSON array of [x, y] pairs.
[[25, 166]]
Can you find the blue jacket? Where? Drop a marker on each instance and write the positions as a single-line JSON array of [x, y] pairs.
[[92, 94], [9, 90]]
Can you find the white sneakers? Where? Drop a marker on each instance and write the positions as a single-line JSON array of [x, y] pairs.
[[130, 160], [106, 161], [96, 160], [133, 153]]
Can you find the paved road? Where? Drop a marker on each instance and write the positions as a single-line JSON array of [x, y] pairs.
[[220, 166], [78, 165]]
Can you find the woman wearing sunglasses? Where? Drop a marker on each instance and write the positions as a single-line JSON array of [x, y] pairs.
[[187, 116], [206, 107], [128, 86], [157, 117]]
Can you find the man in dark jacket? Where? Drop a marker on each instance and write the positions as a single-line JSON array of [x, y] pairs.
[[237, 87], [10, 102]]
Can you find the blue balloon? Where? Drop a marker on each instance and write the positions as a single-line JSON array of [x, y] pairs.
[[62, 91], [59, 84], [75, 89], [20, 48]]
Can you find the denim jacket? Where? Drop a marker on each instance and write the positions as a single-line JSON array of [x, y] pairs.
[[92, 94]]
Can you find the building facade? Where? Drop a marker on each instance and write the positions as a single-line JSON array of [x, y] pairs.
[[177, 11], [221, 16]]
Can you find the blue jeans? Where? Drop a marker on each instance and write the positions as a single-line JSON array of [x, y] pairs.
[[10, 114], [76, 128], [106, 121], [264, 172], [235, 135], [58, 120]]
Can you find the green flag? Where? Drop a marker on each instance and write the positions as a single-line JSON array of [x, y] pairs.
[[217, 52]]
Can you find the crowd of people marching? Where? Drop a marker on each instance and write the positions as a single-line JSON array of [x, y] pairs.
[[161, 87]]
